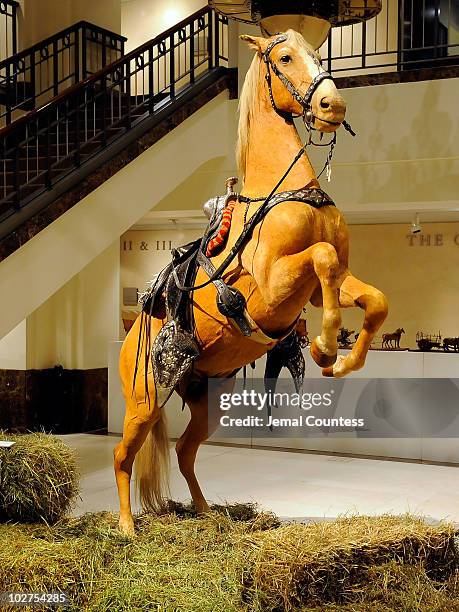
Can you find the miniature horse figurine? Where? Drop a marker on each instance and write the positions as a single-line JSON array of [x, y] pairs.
[[392, 340], [297, 254]]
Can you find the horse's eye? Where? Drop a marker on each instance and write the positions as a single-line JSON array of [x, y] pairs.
[[285, 59]]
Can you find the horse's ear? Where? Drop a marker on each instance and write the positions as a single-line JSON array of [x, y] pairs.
[[257, 43]]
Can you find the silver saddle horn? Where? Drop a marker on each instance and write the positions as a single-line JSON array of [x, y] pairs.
[[217, 204]]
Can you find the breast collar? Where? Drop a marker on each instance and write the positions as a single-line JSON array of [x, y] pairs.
[[314, 196]]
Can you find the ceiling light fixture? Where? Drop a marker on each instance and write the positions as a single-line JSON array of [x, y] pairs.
[[416, 227]]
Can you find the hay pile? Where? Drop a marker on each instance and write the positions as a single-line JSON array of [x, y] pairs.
[[394, 587], [173, 563], [38, 478], [213, 564], [337, 561]]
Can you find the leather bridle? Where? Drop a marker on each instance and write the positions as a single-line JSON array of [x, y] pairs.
[[305, 100]]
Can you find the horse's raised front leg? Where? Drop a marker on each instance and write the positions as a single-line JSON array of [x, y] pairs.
[[203, 422], [324, 258], [354, 292], [294, 278]]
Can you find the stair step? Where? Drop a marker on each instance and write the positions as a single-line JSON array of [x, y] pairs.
[[30, 162], [57, 167], [70, 136], [26, 178], [35, 156], [7, 204]]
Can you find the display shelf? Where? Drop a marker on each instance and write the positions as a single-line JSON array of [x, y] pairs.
[[379, 364]]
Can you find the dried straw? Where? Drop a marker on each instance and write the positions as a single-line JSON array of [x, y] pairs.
[[216, 564], [329, 561], [38, 478]]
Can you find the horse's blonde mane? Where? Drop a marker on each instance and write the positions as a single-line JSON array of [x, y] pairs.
[[246, 110], [249, 97]]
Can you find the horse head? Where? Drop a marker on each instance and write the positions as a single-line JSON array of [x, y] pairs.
[[296, 82]]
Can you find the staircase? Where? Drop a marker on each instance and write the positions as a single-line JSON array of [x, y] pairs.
[[48, 150], [28, 79]]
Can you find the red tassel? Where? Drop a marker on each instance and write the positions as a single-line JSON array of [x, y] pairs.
[[220, 239]]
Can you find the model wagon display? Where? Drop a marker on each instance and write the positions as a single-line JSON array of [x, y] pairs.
[[427, 342]]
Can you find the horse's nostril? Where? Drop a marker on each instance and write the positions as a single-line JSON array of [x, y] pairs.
[[324, 103]]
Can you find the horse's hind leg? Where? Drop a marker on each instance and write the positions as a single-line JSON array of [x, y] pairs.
[[202, 424], [354, 292], [141, 415]]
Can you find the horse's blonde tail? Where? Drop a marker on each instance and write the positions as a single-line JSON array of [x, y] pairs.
[[152, 467]]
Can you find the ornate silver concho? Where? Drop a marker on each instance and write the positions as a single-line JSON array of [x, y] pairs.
[[173, 353]]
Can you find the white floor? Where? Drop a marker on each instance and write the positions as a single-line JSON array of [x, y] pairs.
[[290, 484]]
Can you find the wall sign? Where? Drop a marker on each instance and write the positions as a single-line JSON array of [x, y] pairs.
[[144, 245], [431, 240]]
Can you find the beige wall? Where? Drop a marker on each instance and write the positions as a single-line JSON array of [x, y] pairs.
[[13, 349], [207, 181], [42, 18], [142, 20], [145, 252], [406, 153], [104, 13], [73, 328], [420, 280]]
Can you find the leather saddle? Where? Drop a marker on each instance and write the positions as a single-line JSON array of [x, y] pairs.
[[164, 293], [165, 298]]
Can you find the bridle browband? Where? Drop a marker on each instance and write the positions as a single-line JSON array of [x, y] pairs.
[[305, 100]]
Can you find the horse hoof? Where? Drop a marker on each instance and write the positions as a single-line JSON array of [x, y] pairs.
[[127, 527], [337, 370], [322, 359], [203, 511]]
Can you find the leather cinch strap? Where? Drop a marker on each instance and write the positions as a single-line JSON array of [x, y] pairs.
[[258, 335]]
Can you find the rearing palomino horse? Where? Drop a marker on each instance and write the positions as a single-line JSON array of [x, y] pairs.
[[297, 254]]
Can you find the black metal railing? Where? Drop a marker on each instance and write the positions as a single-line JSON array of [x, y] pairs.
[[8, 28], [407, 34], [31, 77], [48, 143]]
